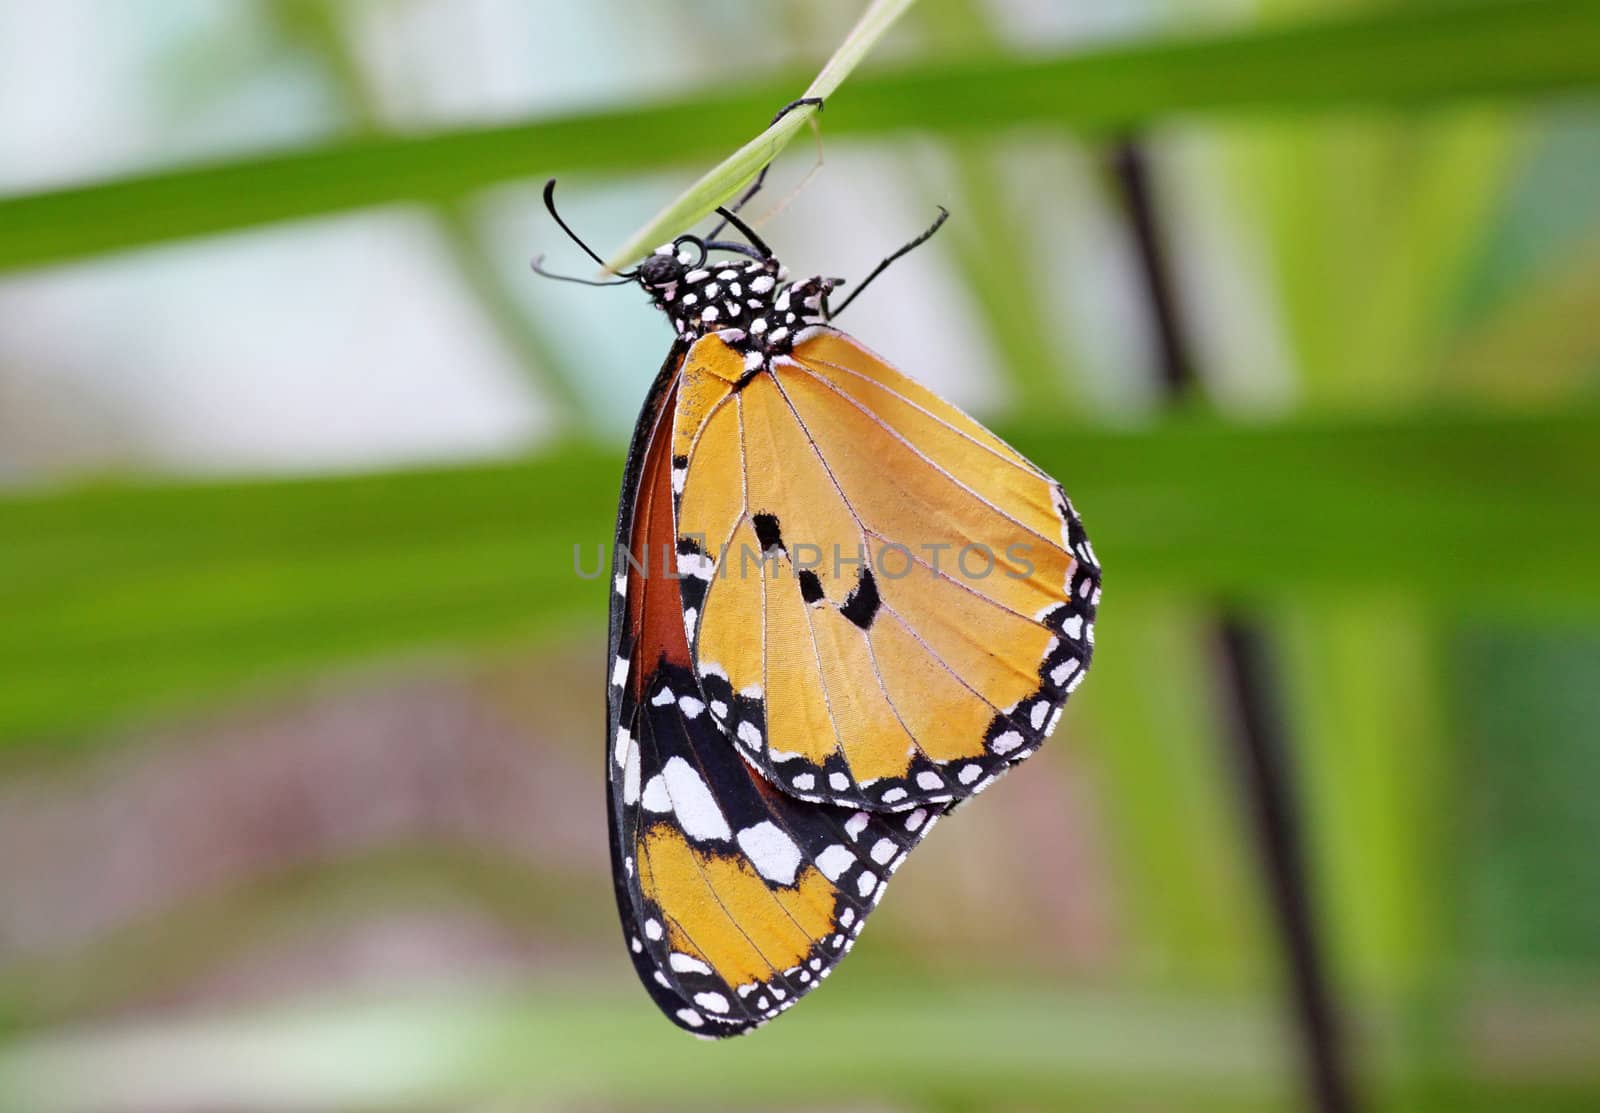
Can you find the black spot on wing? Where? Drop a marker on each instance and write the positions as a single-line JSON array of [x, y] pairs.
[[810, 586], [861, 606], [768, 533]]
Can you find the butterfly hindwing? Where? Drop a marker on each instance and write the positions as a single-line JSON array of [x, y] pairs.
[[888, 605], [745, 898]]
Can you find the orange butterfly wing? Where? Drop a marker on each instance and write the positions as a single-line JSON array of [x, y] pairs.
[[887, 605]]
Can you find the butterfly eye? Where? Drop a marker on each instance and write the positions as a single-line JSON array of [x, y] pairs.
[[691, 250]]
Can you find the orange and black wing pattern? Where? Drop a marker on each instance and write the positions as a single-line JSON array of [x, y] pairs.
[[736, 898], [841, 607], [887, 606]]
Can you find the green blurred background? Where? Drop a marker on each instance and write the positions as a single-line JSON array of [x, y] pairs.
[[300, 754]]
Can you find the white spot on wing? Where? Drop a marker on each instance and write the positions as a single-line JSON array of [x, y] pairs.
[[805, 782], [697, 810], [883, 850], [691, 1018], [712, 1002], [630, 775], [930, 780], [687, 964], [700, 567], [690, 706], [656, 798], [1006, 742], [866, 882], [834, 861], [857, 824], [969, 773], [772, 852]]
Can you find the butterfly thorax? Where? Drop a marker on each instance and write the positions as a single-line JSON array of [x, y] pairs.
[[748, 302]]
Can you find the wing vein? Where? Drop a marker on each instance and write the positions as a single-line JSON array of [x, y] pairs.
[[860, 525], [935, 466], [1017, 460]]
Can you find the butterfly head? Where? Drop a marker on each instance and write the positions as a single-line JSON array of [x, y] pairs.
[[748, 301]]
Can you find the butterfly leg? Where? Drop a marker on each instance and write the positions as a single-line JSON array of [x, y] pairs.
[[761, 178], [944, 215]]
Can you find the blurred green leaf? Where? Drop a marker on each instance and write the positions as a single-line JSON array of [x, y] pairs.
[[121, 599], [601, 1041], [1184, 870], [1408, 57], [1528, 818], [909, 1043], [1547, 328]]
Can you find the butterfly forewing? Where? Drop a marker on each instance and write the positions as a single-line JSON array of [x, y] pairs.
[[887, 604]]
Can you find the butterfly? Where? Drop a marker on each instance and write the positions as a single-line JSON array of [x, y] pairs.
[[840, 608]]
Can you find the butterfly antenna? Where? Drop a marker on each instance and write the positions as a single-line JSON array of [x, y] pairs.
[[538, 268], [730, 217], [944, 215], [550, 203]]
